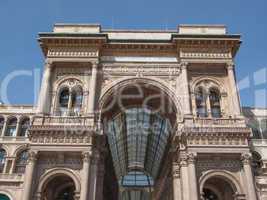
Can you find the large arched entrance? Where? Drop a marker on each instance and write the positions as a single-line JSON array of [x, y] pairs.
[[60, 187], [139, 119], [218, 188]]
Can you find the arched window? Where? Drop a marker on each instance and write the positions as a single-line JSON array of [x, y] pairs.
[[201, 102], [2, 159], [25, 124], [21, 162], [215, 108], [11, 127], [2, 121], [70, 101], [64, 99], [77, 99]]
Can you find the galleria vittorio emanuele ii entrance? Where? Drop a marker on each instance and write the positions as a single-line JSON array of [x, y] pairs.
[[139, 134]]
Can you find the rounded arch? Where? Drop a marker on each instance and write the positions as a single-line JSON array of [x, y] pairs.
[[215, 83], [224, 175], [111, 88], [71, 84], [20, 149], [65, 82], [5, 147], [50, 174], [8, 194]]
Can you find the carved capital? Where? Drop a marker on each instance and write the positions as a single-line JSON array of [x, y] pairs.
[[184, 65], [176, 170], [191, 158], [230, 66], [48, 64], [32, 156], [86, 156], [246, 158], [183, 159]]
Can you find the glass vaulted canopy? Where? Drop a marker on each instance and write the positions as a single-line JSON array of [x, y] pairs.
[[137, 138]]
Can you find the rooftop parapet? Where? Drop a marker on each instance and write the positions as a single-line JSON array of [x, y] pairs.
[[77, 28], [202, 29]]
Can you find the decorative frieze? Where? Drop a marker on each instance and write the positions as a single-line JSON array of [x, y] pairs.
[[217, 163], [215, 136], [72, 52], [142, 70], [205, 53]]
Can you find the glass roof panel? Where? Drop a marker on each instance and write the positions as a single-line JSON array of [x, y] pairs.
[[137, 140]]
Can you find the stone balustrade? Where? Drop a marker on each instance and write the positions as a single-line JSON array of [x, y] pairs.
[[206, 122]]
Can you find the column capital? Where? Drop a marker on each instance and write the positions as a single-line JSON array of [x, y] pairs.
[[191, 158], [95, 63], [176, 170], [230, 65], [32, 156], [86, 156], [48, 63], [183, 159], [246, 158], [184, 65]]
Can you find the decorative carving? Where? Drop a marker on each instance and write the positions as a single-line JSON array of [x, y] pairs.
[[207, 53], [246, 158], [191, 158], [32, 156], [72, 52], [215, 136], [143, 70], [176, 170], [86, 156], [217, 163]]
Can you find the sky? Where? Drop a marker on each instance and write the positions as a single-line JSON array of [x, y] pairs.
[[21, 60]]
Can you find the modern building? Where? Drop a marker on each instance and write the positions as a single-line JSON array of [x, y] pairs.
[[130, 115]]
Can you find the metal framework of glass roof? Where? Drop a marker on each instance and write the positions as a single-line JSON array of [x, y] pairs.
[[137, 139]]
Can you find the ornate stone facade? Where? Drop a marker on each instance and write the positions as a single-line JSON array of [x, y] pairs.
[[130, 115]]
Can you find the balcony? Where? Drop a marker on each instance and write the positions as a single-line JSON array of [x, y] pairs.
[[58, 130], [11, 139], [11, 177], [59, 121]]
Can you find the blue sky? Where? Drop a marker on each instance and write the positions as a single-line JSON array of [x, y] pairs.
[[20, 21]]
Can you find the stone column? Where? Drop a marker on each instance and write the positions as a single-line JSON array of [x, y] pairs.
[[177, 190], [100, 179], [185, 177], [251, 190], [185, 88], [233, 88], [18, 126], [4, 127], [45, 96], [92, 91], [93, 177], [85, 176], [29, 173], [192, 177]]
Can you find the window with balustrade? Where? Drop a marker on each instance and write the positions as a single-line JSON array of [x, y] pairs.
[[208, 100], [201, 105], [2, 160], [70, 99], [11, 127], [24, 126], [21, 162]]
